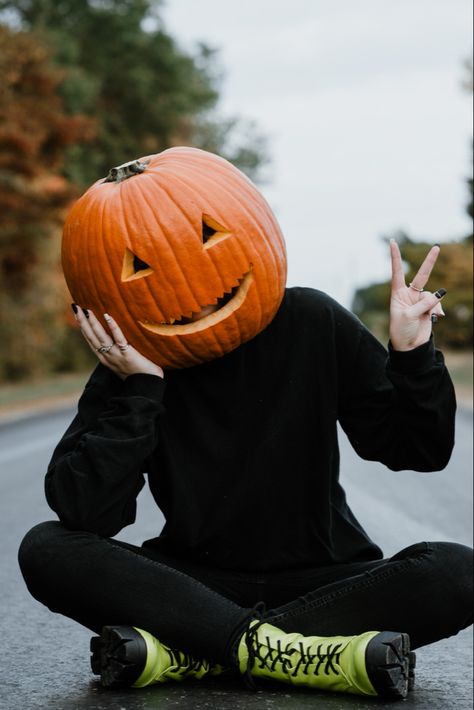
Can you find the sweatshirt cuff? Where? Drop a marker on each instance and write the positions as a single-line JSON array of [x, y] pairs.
[[103, 375], [412, 361], [141, 385]]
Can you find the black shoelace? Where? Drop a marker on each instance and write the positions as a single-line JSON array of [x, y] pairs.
[[184, 663], [266, 656]]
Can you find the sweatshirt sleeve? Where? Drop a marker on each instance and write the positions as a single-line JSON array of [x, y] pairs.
[[96, 471], [399, 407]]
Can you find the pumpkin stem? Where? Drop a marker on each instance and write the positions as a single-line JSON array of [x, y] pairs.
[[127, 170]]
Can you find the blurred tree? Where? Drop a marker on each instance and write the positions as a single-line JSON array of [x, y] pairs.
[[453, 271], [34, 132], [470, 207], [122, 67], [86, 85]]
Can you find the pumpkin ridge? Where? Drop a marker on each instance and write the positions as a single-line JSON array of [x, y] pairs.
[[138, 196], [176, 260], [125, 220], [190, 186], [186, 344], [193, 189], [104, 236], [265, 282], [93, 216], [233, 191], [99, 217]]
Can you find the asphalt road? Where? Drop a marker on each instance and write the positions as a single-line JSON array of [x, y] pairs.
[[45, 657]]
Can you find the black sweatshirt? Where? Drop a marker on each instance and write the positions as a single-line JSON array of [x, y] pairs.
[[241, 452]]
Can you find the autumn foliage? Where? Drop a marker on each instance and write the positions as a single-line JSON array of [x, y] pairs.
[[34, 132], [88, 85], [83, 87]]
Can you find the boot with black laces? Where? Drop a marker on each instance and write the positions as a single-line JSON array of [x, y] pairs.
[[125, 656], [372, 663]]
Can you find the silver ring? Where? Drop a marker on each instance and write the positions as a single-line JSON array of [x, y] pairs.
[[104, 349], [434, 318], [122, 348], [416, 289]]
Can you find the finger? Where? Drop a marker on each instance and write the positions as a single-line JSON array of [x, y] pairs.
[[423, 273], [116, 332], [83, 318], [438, 310], [398, 275], [427, 303], [103, 338]]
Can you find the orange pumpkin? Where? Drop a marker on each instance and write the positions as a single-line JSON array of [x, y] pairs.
[[162, 239]]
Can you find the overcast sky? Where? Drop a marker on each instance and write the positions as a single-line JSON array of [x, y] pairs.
[[369, 128]]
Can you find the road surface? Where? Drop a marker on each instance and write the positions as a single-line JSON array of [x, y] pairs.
[[45, 658]]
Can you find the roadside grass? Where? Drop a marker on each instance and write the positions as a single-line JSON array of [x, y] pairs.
[[460, 366], [49, 391], [38, 393]]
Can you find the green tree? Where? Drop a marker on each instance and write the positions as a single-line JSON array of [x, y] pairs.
[[122, 68]]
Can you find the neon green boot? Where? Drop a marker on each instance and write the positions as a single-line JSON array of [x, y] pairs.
[[370, 664], [127, 656]]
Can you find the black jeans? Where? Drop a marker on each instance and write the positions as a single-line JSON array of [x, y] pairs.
[[425, 590]]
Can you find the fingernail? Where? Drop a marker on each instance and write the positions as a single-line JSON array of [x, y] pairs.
[[437, 245], [107, 317], [440, 293], [86, 312], [74, 308]]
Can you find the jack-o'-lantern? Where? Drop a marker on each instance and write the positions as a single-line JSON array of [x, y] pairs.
[[182, 250]]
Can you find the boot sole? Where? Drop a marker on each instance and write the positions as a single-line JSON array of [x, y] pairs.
[[118, 655], [411, 670], [390, 664]]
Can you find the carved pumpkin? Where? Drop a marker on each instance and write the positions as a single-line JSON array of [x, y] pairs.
[[162, 240]]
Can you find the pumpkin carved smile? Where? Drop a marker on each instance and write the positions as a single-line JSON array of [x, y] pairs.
[[229, 302]]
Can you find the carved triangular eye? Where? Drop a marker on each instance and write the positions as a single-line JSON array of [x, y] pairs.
[[207, 232], [212, 231], [133, 267], [138, 264]]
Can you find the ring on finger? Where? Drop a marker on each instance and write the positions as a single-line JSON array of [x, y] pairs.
[[415, 288], [104, 349], [123, 346]]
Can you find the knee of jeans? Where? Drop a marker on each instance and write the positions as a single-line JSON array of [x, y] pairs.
[[416, 550], [37, 548], [456, 563], [452, 579], [451, 569]]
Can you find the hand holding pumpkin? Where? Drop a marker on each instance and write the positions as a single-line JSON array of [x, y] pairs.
[[168, 239], [112, 348], [411, 307]]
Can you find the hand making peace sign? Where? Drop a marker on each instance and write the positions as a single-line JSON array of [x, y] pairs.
[[411, 307]]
